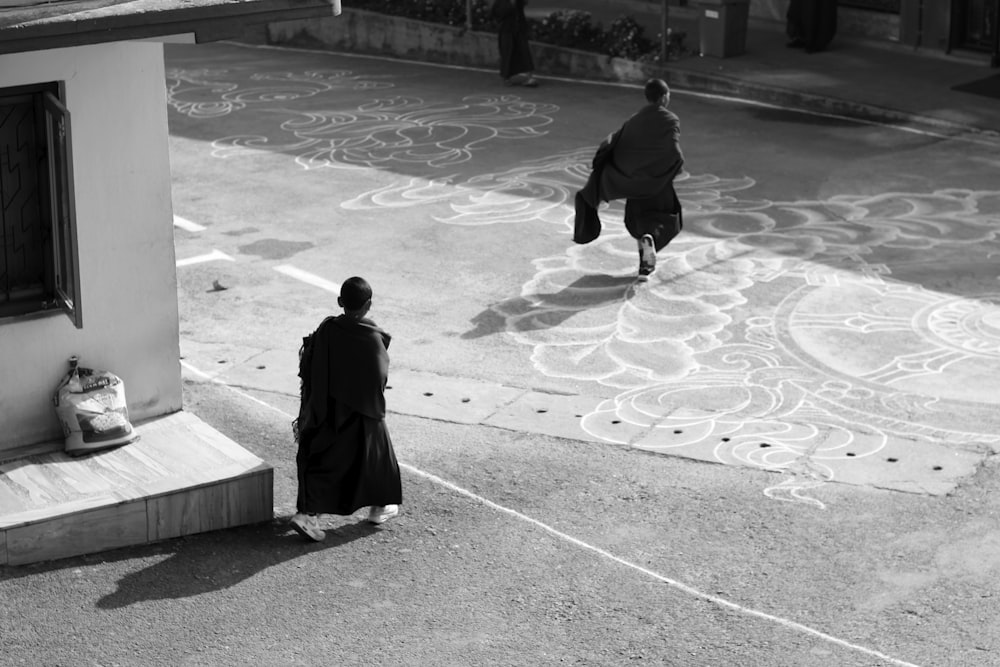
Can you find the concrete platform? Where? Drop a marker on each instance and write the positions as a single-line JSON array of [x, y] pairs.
[[181, 477]]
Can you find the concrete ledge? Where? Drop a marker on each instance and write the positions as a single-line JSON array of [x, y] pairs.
[[181, 477]]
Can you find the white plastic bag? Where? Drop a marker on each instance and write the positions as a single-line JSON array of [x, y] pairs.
[[91, 406]]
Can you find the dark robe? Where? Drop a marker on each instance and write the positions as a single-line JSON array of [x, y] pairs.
[[637, 163], [512, 38], [345, 459], [811, 24]]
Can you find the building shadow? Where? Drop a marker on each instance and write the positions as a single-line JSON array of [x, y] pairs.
[[218, 560]]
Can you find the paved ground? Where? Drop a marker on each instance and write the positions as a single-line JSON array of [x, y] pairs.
[[826, 327], [819, 317]]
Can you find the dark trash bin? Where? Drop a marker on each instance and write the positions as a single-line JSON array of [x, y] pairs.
[[722, 25]]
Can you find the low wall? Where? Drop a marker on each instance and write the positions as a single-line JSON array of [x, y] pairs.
[[358, 31]]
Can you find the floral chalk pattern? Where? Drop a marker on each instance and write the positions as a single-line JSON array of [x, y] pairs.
[[773, 334], [212, 93], [398, 130], [383, 132]]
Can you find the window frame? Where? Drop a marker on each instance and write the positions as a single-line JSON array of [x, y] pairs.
[[57, 202]]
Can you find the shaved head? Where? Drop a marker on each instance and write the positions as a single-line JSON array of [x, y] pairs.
[[355, 293], [655, 89]]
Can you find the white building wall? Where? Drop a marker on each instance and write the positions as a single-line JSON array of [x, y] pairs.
[[128, 286]]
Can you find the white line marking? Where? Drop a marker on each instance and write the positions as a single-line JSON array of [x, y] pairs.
[[306, 277], [690, 590], [215, 254], [187, 225]]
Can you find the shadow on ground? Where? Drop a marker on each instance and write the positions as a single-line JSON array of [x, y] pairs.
[[544, 311], [201, 563]]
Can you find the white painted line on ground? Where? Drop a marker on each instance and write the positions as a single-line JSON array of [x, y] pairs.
[[307, 277], [187, 225], [684, 588], [212, 256]]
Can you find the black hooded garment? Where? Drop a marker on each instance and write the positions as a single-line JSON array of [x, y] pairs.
[[512, 38], [345, 459], [637, 163]]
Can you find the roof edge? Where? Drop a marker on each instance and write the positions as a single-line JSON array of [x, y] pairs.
[[146, 19]]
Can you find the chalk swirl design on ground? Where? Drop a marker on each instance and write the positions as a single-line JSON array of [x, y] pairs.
[[397, 131], [212, 93], [534, 190], [795, 374], [763, 334]]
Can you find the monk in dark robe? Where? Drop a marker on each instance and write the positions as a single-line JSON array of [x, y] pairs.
[[638, 163], [516, 63], [345, 459]]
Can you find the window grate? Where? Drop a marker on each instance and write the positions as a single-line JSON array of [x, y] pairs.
[[25, 238], [39, 265]]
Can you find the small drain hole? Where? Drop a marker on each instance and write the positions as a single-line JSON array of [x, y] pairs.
[[892, 460], [677, 430], [428, 393], [541, 411], [466, 400], [851, 454], [764, 444], [725, 440], [938, 468], [616, 421]]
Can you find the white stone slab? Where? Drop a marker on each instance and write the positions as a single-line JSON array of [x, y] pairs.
[[446, 398], [549, 414]]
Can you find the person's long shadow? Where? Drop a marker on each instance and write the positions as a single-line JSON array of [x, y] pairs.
[[218, 560], [551, 310]]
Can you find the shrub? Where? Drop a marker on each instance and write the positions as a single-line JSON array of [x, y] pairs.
[[449, 12], [572, 29], [625, 39]]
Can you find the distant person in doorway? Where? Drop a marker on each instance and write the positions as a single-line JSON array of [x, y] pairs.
[[811, 24], [516, 65], [638, 163], [345, 459]]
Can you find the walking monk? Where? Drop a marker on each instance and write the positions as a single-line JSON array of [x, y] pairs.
[[345, 459]]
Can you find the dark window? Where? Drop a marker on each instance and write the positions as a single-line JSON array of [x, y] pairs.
[[886, 6], [38, 255]]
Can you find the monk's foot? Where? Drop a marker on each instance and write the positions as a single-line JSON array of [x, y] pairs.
[[307, 525], [379, 514], [647, 256]]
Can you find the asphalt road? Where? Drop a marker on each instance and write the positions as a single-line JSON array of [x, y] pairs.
[[776, 452]]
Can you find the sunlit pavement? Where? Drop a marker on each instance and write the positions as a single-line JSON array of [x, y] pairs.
[[830, 336], [833, 293]]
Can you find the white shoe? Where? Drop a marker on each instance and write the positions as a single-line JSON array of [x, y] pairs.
[[378, 514], [307, 525], [647, 256]]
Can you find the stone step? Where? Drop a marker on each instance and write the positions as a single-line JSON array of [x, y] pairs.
[[181, 477]]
